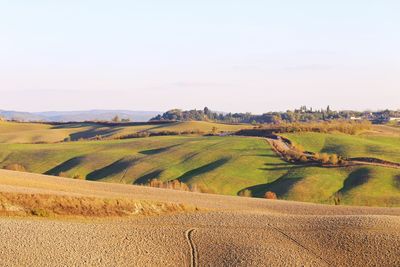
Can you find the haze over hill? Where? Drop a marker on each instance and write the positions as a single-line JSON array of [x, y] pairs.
[[78, 116]]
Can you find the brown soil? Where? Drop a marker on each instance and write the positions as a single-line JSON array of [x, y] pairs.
[[229, 231]]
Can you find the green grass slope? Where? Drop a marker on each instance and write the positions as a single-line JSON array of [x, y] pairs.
[[225, 165], [366, 145]]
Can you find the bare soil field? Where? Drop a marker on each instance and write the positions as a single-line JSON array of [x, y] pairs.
[[207, 230]]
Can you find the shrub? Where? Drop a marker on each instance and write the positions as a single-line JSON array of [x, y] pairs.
[[177, 185], [270, 195], [15, 167], [324, 158], [40, 212], [245, 193], [298, 148], [333, 159], [78, 176], [63, 174], [97, 137], [174, 184], [337, 198], [194, 188], [303, 158]]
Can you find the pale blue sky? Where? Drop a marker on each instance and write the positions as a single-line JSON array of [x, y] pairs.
[[229, 55]]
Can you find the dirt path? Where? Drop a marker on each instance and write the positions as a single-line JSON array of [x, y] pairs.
[[193, 251]]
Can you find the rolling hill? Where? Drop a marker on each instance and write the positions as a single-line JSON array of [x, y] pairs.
[[224, 165], [384, 145], [78, 116], [12, 132]]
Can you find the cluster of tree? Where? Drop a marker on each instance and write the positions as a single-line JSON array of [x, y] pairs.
[[294, 153], [160, 133], [177, 185], [303, 114], [117, 119], [347, 127], [267, 195], [330, 159], [270, 130]]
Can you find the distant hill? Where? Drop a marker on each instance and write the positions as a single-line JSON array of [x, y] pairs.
[[78, 116]]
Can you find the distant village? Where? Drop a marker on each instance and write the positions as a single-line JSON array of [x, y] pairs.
[[379, 117]]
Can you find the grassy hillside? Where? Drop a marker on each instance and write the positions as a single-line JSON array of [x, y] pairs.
[[381, 146], [11, 132], [371, 186], [225, 165]]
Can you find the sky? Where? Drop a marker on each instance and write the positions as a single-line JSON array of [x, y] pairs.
[[240, 56]]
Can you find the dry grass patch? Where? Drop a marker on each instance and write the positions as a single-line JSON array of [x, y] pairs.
[[15, 167], [43, 205]]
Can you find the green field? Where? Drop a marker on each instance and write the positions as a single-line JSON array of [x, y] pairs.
[[11, 132], [224, 165], [372, 186], [386, 147]]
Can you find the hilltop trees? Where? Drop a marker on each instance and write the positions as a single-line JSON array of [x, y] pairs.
[[116, 119], [303, 114]]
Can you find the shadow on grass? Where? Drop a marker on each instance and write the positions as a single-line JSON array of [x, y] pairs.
[[203, 169], [117, 167], [93, 132], [355, 178], [332, 148], [65, 166], [148, 177], [397, 181], [70, 126], [277, 164], [262, 155], [282, 167], [280, 186], [157, 150]]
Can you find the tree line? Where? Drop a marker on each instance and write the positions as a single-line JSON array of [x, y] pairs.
[[303, 114]]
